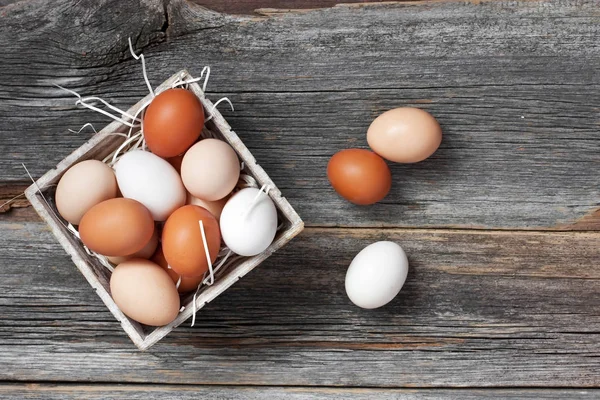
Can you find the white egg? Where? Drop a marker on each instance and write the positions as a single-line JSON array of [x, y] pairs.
[[152, 181], [248, 222], [376, 274]]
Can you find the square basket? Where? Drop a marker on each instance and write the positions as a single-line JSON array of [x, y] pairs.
[[103, 144]]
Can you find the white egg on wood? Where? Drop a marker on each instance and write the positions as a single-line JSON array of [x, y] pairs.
[[376, 274], [152, 181], [249, 222]]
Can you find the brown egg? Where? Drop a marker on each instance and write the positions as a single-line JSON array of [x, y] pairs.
[[215, 207], [405, 135], [360, 176], [182, 242], [83, 186], [176, 162], [173, 122], [144, 292], [145, 253], [187, 284], [116, 227]]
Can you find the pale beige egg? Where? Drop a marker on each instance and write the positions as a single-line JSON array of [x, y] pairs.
[[405, 135], [82, 186]]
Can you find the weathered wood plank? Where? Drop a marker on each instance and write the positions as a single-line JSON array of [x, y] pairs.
[[515, 86], [164, 392], [478, 309]]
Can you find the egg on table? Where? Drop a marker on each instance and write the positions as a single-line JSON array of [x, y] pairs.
[[376, 274], [145, 292], [405, 135], [249, 222], [152, 181], [116, 227], [173, 122], [360, 176], [83, 186]]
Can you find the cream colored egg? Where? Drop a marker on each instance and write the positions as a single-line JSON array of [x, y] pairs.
[[405, 135], [145, 292], [210, 169], [82, 186], [214, 207]]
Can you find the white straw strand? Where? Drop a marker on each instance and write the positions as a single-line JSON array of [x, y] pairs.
[[141, 56]]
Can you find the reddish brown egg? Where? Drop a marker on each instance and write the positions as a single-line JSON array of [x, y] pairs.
[[116, 227], [182, 242], [187, 284], [173, 122], [360, 176]]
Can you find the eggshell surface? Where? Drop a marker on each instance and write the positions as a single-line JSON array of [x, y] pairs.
[[182, 243], [405, 135], [186, 284], [152, 181], [83, 186], [360, 176], [144, 292], [173, 122], [249, 222], [210, 169], [215, 207], [376, 274], [145, 253], [116, 227]]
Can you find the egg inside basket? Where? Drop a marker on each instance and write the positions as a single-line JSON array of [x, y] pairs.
[[96, 270]]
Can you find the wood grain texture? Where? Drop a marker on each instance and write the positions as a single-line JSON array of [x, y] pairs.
[[515, 86], [478, 309], [163, 392]]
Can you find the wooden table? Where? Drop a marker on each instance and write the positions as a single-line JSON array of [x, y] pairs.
[[501, 224]]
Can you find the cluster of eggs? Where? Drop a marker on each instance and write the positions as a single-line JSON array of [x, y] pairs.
[[160, 215], [402, 135]]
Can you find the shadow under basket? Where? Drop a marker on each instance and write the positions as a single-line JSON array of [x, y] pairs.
[[104, 143]]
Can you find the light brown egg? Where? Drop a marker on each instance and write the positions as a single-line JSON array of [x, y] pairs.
[[144, 292], [116, 227], [187, 284], [210, 169], [405, 135], [215, 207], [145, 253], [83, 186]]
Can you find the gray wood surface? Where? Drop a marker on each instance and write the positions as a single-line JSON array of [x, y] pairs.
[[137, 392], [515, 86], [478, 309]]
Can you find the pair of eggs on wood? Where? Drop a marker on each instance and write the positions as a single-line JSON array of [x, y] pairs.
[[402, 135]]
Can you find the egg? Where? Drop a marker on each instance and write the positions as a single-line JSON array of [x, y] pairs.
[[152, 181], [376, 274], [405, 135], [173, 122], [182, 242], [83, 186], [215, 207], [144, 292], [210, 169], [116, 227], [186, 284], [360, 176], [145, 253], [249, 222]]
